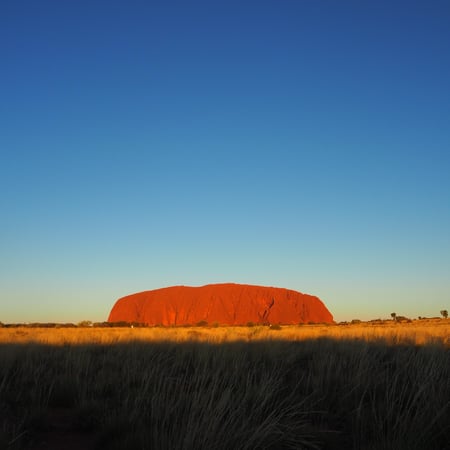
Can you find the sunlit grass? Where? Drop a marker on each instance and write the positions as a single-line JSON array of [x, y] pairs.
[[418, 332]]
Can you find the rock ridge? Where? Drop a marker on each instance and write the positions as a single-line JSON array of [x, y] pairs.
[[223, 303]]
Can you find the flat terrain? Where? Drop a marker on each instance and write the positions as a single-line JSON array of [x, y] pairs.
[[360, 386], [418, 332]]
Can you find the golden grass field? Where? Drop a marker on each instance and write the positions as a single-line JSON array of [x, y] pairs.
[[359, 386], [418, 332]]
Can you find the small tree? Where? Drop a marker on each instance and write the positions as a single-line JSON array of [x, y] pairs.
[[394, 315], [444, 313]]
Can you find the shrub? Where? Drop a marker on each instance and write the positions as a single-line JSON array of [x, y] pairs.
[[402, 319]]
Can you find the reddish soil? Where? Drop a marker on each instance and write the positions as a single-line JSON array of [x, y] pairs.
[[226, 304]]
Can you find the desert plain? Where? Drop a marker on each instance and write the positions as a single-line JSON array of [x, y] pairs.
[[380, 385]]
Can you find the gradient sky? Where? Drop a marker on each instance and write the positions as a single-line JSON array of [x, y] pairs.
[[302, 144]]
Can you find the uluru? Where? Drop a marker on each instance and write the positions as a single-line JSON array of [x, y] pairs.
[[225, 304]]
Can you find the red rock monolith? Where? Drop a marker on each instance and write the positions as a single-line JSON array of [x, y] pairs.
[[226, 304]]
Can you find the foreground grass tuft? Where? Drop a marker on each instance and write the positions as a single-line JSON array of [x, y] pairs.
[[311, 394]]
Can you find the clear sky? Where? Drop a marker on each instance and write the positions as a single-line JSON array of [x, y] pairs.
[[302, 144]]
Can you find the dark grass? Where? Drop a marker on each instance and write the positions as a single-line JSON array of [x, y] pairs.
[[316, 394]]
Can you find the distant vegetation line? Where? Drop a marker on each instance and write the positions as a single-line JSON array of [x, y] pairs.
[[204, 323]]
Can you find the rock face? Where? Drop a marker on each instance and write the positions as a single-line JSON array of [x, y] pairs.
[[226, 304]]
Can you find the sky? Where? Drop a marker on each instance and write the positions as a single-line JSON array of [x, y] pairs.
[[302, 144]]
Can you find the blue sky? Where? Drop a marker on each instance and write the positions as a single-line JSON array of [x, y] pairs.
[[301, 144]]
